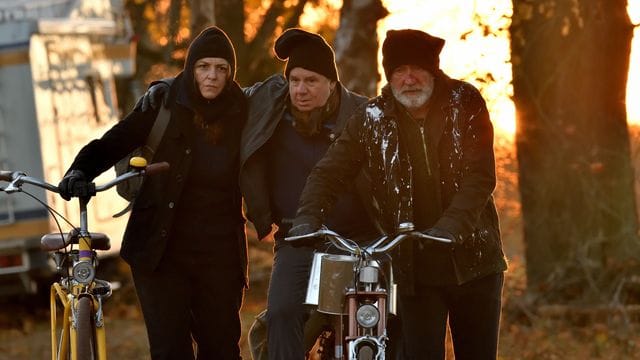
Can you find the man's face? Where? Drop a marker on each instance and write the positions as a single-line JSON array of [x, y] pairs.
[[411, 85], [211, 76], [309, 90]]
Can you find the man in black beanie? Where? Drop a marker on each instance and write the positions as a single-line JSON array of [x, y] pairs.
[[292, 122], [293, 119], [426, 143]]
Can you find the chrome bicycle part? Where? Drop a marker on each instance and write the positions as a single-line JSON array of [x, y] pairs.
[[367, 316], [84, 272]]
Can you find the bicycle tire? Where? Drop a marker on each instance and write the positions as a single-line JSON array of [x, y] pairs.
[[84, 330], [365, 353]]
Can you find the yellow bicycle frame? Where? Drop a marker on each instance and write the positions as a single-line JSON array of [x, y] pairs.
[[69, 330]]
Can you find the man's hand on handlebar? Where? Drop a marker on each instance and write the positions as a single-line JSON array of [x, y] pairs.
[[74, 183], [303, 229], [440, 234]]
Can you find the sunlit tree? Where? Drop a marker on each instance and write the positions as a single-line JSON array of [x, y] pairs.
[[356, 45], [570, 64]]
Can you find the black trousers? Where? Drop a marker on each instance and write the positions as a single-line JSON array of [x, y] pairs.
[[473, 311], [286, 314], [195, 298]]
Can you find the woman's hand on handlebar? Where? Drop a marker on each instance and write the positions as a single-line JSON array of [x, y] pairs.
[[74, 183]]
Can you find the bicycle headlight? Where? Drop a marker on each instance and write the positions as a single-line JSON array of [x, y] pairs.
[[84, 272], [367, 316]]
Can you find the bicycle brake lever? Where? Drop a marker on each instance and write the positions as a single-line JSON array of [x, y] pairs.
[[433, 238], [10, 189], [14, 186], [305, 236]]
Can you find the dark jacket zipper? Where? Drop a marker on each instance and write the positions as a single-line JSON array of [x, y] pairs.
[[424, 149]]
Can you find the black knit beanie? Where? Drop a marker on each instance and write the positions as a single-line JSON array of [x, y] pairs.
[[306, 50], [211, 42], [411, 47]]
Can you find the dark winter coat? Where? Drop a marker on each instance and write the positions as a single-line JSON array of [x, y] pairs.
[[267, 104], [460, 148], [148, 230]]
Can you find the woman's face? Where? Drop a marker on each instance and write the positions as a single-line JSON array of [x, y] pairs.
[[211, 75]]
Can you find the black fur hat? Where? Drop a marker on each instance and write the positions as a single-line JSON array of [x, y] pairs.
[[211, 42], [411, 47], [306, 50]]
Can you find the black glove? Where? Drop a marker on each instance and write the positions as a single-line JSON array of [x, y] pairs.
[[157, 95], [303, 229], [441, 233], [74, 183]]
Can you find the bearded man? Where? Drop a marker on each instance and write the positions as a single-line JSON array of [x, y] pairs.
[[426, 144]]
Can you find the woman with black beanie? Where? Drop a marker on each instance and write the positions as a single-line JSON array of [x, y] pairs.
[[185, 239]]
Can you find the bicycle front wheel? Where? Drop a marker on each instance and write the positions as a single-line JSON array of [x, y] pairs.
[[365, 352], [84, 329]]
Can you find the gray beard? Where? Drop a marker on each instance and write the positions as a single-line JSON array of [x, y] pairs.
[[414, 101]]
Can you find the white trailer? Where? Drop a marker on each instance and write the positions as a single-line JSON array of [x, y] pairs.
[[59, 61]]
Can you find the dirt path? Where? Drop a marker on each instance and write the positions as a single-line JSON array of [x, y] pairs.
[[24, 332], [24, 322]]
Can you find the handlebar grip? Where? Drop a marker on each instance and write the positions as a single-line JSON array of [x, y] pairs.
[[6, 175], [155, 168]]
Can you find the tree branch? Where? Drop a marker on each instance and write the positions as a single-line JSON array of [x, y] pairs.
[[269, 24]]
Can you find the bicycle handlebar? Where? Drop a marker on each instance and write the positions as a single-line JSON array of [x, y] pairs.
[[17, 178], [150, 169], [380, 245], [155, 168]]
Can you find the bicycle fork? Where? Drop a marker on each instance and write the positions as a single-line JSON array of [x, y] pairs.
[[68, 337]]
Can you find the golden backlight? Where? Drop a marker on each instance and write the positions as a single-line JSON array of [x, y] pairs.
[[633, 80], [485, 60]]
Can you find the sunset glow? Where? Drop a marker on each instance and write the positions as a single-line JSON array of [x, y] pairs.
[[485, 60], [327, 12], [633, 81]]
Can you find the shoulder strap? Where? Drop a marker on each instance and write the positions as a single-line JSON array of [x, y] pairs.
[[156, 133], [149, 149]]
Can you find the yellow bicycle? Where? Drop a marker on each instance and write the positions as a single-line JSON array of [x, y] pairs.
[[80, 334]]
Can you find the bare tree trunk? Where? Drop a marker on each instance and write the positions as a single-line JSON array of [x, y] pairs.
[[356, 45], [147, 52], [230, 17], [570, 63], [202, 15], [173, 28]]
